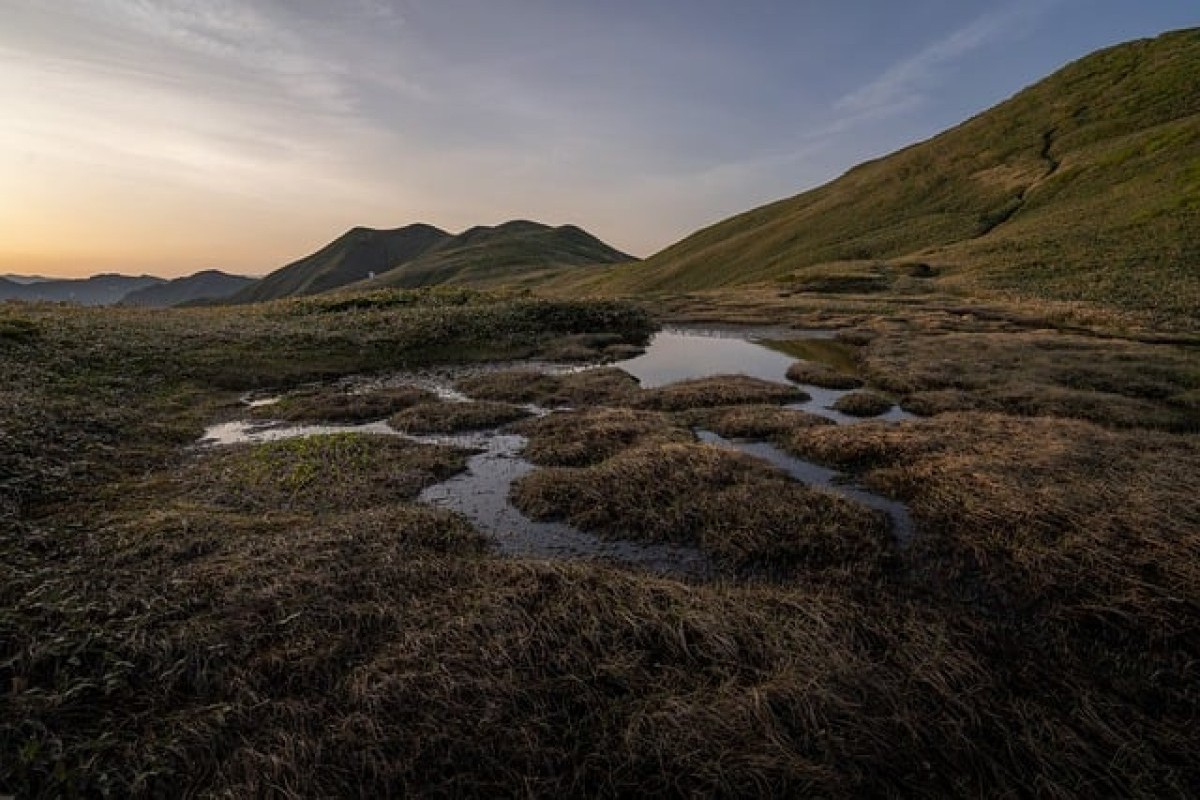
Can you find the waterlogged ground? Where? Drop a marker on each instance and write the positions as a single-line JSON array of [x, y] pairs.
[[305, 616], [482, 492]]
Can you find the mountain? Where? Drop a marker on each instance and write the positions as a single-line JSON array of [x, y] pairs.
[[25, 279], [98, 290], [422, 255], [353, 256], [209, 284], [1083, 186], [487, 256]]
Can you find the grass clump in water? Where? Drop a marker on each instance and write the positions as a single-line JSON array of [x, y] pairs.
[[455, 417], [745, 514], [820, 375], [334, 405], [863, 404], [582, 438], [719, 390], [324, 473], [583, 388], [751, 421]]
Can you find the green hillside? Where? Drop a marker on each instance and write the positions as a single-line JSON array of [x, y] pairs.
[[351, 257], [486, 256], [1083, 186]]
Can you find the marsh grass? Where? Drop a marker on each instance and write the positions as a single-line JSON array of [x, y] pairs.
[[751, 421], [821, 375], [719, 390], [340, 405], [328, 473], [589, 436], [168, 629], [584, 388], [863, 404], [745, 514], [449, 417]]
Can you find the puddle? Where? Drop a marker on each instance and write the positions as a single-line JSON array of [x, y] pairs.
[[679, 354], [481, 491], [481, 494], [811, 474]]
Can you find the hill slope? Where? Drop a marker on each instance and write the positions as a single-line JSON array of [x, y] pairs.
[[1083, 186], [483, 256], [351, 257], [209, 284]]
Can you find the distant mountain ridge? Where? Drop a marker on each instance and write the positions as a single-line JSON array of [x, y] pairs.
[[98, 290], [422, 255], [1084, 186], [209, 284]]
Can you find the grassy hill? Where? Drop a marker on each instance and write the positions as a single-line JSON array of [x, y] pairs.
[[1083, 186], [486, 256], [351, 257]]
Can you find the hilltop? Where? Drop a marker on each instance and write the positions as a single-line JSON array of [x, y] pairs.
[[209, 284], [422, 255], [98, 290], [486, 256], [1085, 186]]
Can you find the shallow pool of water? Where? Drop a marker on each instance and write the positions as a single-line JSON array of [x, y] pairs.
[[679, 354]]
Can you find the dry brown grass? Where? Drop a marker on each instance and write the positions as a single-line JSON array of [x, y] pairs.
[[584, 388], [863, 404], [745, 514], [1039, 373], [821, 375], [719, 390], [751, 421], [582, 438], [339, 405], [455, 417], [1098, 525]]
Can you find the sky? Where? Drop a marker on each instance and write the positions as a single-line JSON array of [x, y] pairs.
[[169, 136]]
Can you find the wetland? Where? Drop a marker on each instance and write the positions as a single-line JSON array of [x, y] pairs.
[[401, 545]]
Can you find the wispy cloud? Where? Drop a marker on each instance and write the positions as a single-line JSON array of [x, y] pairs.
[[906, 85]]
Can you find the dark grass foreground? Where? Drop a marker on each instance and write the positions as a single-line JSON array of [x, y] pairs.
[[178, 622]]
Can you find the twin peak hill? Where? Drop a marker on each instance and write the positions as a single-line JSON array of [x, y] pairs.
[[421, 255]]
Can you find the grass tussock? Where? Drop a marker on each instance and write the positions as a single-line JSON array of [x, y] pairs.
[[751, 421], [863, 404], [340, 406], [589, 436], [1121, 383], [455, 417], [719, 390], [814, 374], [745, 514], [584, 388], [326, 473]]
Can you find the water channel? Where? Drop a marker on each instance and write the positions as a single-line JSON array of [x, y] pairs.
[[481, 491]]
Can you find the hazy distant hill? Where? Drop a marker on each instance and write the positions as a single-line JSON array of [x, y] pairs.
[[353, 256], [98, 290], [485, 256], [209, 284], [1085, 185], [421, 255]]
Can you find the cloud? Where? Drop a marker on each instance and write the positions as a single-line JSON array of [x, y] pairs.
[[905, 85]]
